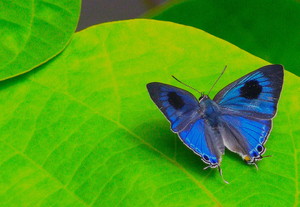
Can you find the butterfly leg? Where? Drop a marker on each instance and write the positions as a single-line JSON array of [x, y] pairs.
[[221, 174]]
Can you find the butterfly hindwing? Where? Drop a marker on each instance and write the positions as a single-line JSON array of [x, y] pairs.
[[255, 94], [204, 141], [246, 136]]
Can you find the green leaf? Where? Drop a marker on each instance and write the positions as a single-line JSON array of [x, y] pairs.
[[83, 131], [267, 29], [34, 31]]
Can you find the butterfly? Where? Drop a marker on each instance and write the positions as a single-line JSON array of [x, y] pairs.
[[239, 117]]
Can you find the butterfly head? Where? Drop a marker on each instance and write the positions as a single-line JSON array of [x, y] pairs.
[[203, 97]]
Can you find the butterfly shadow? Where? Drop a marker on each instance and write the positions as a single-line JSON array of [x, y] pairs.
[[159, 137]]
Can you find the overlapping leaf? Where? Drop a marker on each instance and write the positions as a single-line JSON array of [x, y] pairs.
[[82, 130], [33, 31], [267, 29]]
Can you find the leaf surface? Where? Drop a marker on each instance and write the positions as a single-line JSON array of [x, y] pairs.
[[82, 130], [267, 29], [34, 31]]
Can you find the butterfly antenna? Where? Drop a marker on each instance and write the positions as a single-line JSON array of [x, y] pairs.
[[220, 171], [217, 79], [266, 156], [186, 84], [255, 165], [206, 167]]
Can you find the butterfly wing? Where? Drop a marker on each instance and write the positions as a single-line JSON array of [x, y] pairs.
[[248, 106], [178, 105], [205, 141], [182, 109], [254, 95], [246, 136]]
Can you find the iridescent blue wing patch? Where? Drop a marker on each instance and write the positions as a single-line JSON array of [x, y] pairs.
[[255, 94], [182, 109]]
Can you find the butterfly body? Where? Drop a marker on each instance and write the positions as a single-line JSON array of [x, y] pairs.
[[239, 117], [210, 111]]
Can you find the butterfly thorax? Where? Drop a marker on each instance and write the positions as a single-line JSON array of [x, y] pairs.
[[210, 111]]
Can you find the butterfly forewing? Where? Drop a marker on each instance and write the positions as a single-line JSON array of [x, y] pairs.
[[254, 95], [179, 106]]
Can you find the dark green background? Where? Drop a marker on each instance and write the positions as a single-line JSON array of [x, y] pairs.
[[267, 29]]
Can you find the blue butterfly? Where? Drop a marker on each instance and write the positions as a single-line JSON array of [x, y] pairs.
[[239, 117]]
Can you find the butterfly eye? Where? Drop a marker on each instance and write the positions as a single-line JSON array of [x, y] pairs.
[[259, 148], [201, 97]]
